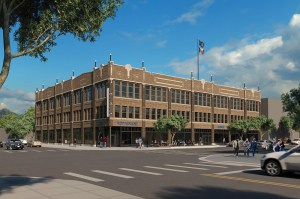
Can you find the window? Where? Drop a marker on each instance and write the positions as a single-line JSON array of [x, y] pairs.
[[130, 112], [67, 99], [88, 93], [137, 91], [130, 90], [78, 96], [182, 97], [52, 103], [153, 89], [158, 113], [208, 117], [177, 96], [124, 87], [196, 117], [117, 88], [173, 95], [187, 97], [153, 114], [124, 110], [117, 111], [158, 98], [164, 94], [137, 112], [147, 113], [147, 93], [164, 112]]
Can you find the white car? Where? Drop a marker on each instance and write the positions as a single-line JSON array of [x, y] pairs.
[[23, 141], [295, 141], [276, 163]]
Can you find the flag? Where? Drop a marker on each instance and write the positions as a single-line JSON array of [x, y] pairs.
[[201, 47]]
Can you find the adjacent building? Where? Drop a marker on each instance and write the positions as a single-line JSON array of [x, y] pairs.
[[122, 103]]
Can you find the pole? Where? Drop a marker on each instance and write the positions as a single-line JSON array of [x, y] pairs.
[[198, 60]]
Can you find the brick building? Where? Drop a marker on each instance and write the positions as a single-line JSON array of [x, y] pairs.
[[121, 103]]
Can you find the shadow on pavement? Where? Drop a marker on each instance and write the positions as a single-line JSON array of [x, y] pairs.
[[212, 192], [9, 183], [284, 175]]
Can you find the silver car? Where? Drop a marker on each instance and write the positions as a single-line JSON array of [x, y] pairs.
[[277, 163]]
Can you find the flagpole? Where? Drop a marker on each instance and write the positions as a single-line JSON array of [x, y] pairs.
[[198, 60]]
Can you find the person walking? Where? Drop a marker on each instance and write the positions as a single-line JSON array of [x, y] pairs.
[[104, 141], [247, 146], [75, 141], [140, 142], [236, 147], [253, 146]]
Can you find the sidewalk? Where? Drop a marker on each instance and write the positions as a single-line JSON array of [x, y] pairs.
[[91, 148], [17, 187]]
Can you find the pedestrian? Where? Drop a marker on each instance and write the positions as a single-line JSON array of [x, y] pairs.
[[136, 142], [236, 147], [253, 146], [281, 145], [75, 141], [224, 140], [104, 141], [140, 142], [101, 142], [247, 146]]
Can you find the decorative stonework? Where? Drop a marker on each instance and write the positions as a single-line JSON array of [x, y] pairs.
[[168, 82], [229, 92], [128, 68], [202, 83]]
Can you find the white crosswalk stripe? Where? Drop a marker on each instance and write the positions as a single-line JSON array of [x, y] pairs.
[[83, 177], [166, 169], [238, 164], [206, 165], [140, 171], [171, 165], [112, 174]]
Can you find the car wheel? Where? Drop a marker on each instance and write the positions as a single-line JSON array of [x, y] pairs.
[[273, 168]]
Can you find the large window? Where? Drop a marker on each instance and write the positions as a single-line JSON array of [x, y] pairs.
[[88, 93], [124, 111], [130, 114], [137, 91], [147, 113], [130, 90], [78, 96], [67, 99], [147, 93], [124, 89], [117, 111], [117, 88], [137, 112]]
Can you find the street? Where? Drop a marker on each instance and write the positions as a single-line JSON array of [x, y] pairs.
[[145, 173]]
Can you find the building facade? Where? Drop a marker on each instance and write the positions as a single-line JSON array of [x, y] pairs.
[[122, 103]]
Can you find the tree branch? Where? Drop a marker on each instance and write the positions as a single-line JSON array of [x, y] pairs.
[[12, 8]]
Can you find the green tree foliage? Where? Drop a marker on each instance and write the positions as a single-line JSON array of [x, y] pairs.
[[291, 104], [262, 124], [18, 125], [173, 124], [36, 24], [286, 124]]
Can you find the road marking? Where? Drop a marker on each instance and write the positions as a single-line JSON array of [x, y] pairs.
[[83, 177], [140, 171], [37, 151], [206, 165], [253, 181], [238, 164], [22, 151], [237, 171], [8, 151], [161, 168], [112, 174], [171, 165], [51, 150]]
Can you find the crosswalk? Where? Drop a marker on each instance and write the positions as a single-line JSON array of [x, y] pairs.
[[160, 170]]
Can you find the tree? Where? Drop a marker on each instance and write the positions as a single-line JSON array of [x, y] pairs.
[[286, 124], [263, 124], [240, 126], [173, 124], [291, 104], [36, 24], [18, 125]]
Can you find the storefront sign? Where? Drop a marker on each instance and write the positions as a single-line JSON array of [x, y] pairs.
[[221, 127], [127, 123]]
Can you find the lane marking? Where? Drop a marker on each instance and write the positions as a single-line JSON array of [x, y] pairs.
[[238, 164], [206, 165], [37, 151], [8, 151], [112, 174], [253, 181], [171, 165], [140, 171], [161, 168], [51, 150], [83, 177], [237, 171]]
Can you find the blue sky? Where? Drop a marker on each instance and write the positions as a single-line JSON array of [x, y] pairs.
[[251, 41]]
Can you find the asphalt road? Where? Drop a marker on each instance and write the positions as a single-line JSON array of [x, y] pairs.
[[159, 174]]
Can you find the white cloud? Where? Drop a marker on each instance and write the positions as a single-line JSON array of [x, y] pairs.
[[161, 43], [272, 63], [17, 101], [196, 11]]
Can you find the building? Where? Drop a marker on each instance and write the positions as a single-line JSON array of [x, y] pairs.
[[273, 108], [121, 103]]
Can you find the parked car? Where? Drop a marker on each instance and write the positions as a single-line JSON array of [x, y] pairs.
[[276, 163], [295, 141], [24, 141], [14, 144], [1, 144], [34, 143]]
